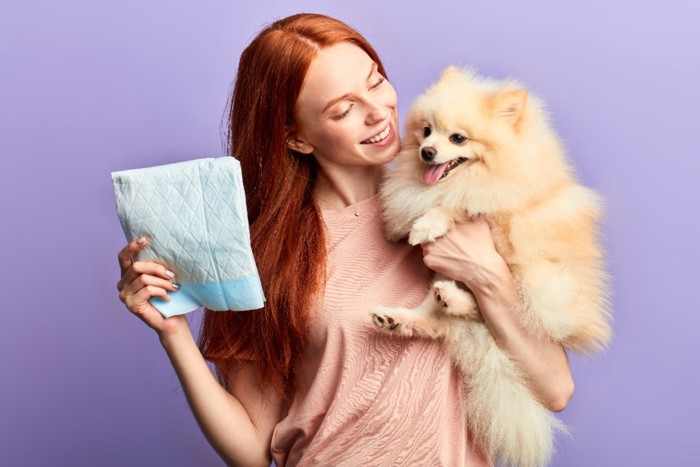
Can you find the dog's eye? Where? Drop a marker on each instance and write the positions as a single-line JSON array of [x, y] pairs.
[[426, 132], [457, 138]]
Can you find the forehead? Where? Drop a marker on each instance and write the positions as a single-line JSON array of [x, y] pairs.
[[449, 109], [336, 70]]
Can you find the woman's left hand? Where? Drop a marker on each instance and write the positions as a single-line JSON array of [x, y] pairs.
[[466, 253]]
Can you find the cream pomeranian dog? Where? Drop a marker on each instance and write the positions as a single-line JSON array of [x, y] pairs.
[[475, 146]]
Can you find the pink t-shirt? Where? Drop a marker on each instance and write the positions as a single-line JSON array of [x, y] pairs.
[[365, 398]]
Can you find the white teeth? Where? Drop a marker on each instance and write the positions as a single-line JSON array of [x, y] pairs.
[[380, 136]]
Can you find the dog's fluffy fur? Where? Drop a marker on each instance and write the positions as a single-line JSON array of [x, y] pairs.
[[512, 171]]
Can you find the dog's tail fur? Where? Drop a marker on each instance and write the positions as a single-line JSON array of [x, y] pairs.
[[515, 428]]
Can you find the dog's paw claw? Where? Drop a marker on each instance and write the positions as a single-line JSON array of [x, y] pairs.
[[438, 297], [384, 321], [455, 301]]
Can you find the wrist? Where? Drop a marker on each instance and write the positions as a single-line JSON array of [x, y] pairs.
[[492, 276], [498, 299], [175, 337]]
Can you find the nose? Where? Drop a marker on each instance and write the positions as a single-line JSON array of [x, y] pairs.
[[375, 112], [428, 153]]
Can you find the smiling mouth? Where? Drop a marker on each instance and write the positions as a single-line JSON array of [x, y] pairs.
[[381, 136], [436, 172]]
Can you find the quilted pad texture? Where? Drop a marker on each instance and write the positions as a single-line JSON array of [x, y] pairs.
[[194, 213]]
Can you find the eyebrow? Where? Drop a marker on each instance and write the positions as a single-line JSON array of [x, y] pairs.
[[334, 101]]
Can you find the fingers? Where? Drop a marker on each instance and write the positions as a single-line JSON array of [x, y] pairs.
[[131, 284], [477, 221], [145, 280], [142, 280], [127, 253], [145, 267], [144, 287], [136, 301]]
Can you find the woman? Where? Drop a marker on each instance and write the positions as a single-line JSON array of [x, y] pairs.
[[309, 380]]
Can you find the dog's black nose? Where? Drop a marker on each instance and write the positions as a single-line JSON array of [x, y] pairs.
[[428, 154]]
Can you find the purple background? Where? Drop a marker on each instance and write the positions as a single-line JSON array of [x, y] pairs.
[[87, 88]]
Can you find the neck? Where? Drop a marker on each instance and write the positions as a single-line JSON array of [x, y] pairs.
[[338, 188]]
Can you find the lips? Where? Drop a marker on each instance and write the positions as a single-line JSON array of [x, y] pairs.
[[381, 136], [437, 172]]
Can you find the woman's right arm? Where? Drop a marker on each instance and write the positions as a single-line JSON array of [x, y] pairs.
[[238, 425]]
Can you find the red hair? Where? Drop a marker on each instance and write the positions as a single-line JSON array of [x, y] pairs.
[[286, 226]]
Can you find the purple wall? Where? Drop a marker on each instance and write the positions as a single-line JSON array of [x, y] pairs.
[[87, 88]]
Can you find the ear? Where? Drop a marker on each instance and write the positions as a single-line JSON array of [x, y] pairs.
[[509, 105], [297, 143], [450, 73]]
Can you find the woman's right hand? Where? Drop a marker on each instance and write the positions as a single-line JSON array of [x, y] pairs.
[[142, 280]]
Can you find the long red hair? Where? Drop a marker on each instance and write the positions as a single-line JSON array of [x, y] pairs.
[[286, 226]]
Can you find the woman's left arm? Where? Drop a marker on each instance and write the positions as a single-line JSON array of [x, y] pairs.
[[467, 254]]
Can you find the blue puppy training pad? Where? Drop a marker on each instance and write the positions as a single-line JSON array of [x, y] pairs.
[[195, 216]]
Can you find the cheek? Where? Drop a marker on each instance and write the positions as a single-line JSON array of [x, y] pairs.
[[390, 95], [336, 135]]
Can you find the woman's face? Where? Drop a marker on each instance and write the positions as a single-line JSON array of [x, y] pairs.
[[346, 111]]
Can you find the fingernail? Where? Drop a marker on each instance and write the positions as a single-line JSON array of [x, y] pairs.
[[170, 274], [176, 286], [141, 240]]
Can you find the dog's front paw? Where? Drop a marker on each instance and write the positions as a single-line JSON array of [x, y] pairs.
[[383, 318], [433, 224], [455, 301]]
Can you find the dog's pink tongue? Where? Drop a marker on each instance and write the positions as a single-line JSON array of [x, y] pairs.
[[433, 173]]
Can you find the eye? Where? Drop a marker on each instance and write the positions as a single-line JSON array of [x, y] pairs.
[[426, 132], [456, 138], [376, 85], [342, 115]]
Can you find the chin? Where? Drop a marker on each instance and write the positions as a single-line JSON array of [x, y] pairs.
[[391, 151], [479, 146], [383, 154]]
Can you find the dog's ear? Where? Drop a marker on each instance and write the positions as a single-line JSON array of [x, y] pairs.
[[297, 142], [509, 105], [451, 73]]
